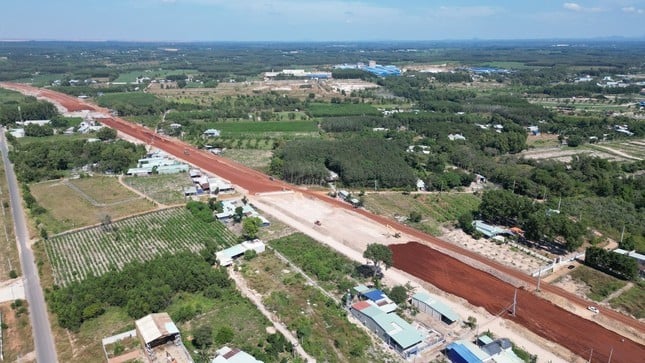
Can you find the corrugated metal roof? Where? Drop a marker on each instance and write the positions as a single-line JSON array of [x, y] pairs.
[[463, 352], [404, 334], [374, 295], [436, 305], [361, 288]]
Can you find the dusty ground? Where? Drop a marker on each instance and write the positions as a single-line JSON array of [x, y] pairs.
[[503, 253], [352, 238]]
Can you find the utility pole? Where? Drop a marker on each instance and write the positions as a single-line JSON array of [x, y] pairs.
[[611, 352], [622, 234], [514, 302], [590, 355], [538, 282]]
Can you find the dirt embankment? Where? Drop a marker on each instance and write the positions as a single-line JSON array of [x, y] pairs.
[[540, 316]]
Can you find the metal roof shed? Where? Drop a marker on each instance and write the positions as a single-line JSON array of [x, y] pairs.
[[432, 302]]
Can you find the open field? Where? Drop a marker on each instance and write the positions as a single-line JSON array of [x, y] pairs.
[[617, 151], [16, 338], [436, 208], [598, 284], [82, 202], [324, 330], [164, 189], [333, 270], [73, 256], [256, 159], [631, 301], [342, 109]]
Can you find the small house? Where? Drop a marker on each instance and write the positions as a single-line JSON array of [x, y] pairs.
[[225, 257], [233, 355], [431, 305], [211, 133]]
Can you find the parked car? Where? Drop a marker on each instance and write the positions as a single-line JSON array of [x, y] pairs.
[[593, 309]]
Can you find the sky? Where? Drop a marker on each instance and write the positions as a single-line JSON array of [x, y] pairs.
[[318, 20]]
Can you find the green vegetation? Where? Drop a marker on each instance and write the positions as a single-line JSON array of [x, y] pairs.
[[600, 284], [95, 251], [320, 324], [358, 162], [38, 160], [632, 301], [341, 109], [622, 266], [232, 128], [335, 271], [16, 107], [132, 103]]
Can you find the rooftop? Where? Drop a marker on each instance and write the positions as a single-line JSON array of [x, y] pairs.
[[155, 326], [436, 305], [399, 330], [233, 355]]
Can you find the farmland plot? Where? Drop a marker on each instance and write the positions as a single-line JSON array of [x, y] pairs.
[[76, 255]]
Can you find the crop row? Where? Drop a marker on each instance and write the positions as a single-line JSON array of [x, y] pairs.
[[74, 256]]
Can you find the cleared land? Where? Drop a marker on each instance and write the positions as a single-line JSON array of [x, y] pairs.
[[164, 189], [73, 256], [436, 209], [255, 159], [82, 202], [16, 338], [631, 301], [618, 151], [599, 285]]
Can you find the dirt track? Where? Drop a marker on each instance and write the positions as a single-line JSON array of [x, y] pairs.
[[575, 333], [539, 315]]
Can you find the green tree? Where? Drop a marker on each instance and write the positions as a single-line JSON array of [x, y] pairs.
[[106, 133], [202, 337], [378, 254], [398, 294], [224, 335], [251, 227]]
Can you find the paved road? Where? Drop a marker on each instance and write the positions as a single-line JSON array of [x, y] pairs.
[[43, 338]]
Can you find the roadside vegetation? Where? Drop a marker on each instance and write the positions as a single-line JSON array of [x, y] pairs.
[[600, 285]]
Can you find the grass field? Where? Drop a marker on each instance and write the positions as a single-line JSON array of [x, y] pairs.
[[73, 256], [632, 301], [600, 284], [342, 109], [8, 96], [164, 189], [82, 202], [436, 209], [321, 325], [258, 159]]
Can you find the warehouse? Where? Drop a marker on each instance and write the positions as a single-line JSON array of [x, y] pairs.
[[430, 304]]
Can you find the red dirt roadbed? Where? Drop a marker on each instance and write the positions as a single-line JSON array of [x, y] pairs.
[[540, 316]]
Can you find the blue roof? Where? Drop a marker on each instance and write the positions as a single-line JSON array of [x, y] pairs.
[[436, 305], [374, 295], [462, 352]]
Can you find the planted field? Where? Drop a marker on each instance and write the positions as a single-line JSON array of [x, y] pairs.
[[83, 202], [267, 126], [73, 256], [342, 109], [164, 189]]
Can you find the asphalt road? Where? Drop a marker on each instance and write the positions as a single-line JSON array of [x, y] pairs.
[[43, 338]]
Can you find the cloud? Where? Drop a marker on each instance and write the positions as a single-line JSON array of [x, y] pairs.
[[467, 11], [580, 9], [632, 10], [572, 6]]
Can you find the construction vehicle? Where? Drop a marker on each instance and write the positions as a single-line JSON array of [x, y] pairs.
[[318, 223]]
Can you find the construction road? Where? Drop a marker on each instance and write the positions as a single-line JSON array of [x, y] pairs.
[[583, 334]]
